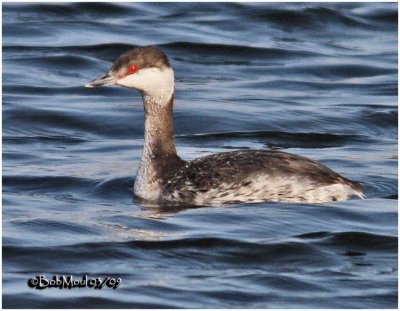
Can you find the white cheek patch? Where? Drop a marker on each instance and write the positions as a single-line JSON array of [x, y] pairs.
[[153, 82]]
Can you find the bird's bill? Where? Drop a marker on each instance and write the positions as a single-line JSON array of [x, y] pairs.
[[102, 81]]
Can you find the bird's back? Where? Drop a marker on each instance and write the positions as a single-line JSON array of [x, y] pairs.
[[256, 176]]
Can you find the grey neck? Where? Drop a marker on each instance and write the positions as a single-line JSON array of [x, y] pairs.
[[159, 138], [159, 159]]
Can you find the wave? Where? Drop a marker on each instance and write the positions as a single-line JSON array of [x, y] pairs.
[[72, 10], [302, 247], [281, 139], [183, 47], [90, 302], [363, 241], [41, 183], [384, 118], [64, 139], [114, 187]]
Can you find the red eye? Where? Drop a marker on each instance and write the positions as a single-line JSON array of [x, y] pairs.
[[132, 69]]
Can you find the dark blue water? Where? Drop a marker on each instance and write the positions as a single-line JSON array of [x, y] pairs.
[[318, 80]]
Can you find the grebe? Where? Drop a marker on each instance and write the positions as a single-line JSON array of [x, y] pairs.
[[229, 177]]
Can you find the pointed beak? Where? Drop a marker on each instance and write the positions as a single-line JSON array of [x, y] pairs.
[[102, 81]]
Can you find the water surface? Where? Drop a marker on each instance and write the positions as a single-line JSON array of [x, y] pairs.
[[314, 79]]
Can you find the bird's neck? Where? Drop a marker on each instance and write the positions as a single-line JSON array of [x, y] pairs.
[[159, 138], [159, 157]]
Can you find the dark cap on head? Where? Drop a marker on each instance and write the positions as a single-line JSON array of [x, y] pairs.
[[143, 57]]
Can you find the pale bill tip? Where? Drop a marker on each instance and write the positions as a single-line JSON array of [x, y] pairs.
[[89, 85], [105, 80]]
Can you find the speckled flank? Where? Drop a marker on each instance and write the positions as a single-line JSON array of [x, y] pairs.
[[269, 176], [239, 176]]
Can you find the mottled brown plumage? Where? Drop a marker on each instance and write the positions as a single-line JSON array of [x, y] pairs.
[[238, 169]]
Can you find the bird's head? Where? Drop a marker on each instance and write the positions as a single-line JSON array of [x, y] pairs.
[[145, 69]]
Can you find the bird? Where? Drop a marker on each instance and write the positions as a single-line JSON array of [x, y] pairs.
[[243, 176]]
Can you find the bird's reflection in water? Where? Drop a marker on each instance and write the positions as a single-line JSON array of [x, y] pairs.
[[161, 211]]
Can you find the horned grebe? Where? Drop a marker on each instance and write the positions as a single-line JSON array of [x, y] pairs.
[[229, 177]]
